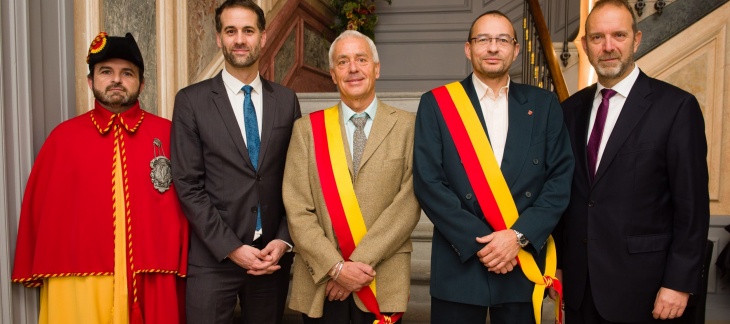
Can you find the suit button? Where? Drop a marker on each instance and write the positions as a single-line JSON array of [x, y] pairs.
[[528, 194], [591, 203], [254, 209], [535, 161], [468, 196], [258, 177], [585, 241]]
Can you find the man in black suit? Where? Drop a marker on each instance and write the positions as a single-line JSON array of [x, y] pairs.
[[632, 239], [230, 136], [473, 261]]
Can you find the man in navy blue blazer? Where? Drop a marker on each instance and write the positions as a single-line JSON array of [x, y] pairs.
[[473, 267], [631, 242]]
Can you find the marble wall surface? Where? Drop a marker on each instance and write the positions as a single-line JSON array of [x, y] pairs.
[[285, 58], [137, 17], [316, 50], [201, 32]]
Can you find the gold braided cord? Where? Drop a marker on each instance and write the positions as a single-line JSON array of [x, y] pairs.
[[98, 127], [134, 128], [125, 176]]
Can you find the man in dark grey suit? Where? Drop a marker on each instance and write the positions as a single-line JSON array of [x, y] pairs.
[[230, 136], [634, 233]]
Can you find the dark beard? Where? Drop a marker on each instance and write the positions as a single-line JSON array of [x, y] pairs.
[[126, 100], [245, 62]]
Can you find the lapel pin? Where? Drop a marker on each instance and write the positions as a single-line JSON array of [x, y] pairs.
[[529, 112]]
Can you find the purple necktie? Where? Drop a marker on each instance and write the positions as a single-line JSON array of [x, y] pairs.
[[594, 142]]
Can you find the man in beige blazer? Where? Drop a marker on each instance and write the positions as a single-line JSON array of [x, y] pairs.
[[325, 283]]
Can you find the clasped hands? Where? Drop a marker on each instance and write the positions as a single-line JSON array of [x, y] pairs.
[[352, 277], [499, 254], [259, 262]]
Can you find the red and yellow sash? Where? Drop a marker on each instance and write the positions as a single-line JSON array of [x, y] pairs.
[[490, 188], [339, 196]]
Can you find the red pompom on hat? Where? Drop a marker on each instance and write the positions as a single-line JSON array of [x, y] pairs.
[[105, 47]]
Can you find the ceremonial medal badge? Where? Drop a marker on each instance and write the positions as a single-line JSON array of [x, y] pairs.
[[161, 173]]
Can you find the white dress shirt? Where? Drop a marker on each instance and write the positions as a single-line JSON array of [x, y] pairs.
[[615, 105], [496, 116], [347, 114], [236, 96]]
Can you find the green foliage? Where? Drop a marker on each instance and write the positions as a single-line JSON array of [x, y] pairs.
[[355, 15]]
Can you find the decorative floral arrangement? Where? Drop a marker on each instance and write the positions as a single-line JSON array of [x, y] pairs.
[[356, 15]]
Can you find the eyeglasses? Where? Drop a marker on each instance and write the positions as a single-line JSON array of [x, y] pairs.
[[502, 41]]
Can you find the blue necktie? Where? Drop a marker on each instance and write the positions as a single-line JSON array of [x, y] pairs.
[[253, 142]]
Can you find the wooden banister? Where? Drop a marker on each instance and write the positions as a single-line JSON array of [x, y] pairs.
[[561, 88]]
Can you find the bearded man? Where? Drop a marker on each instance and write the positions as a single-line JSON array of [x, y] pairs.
[[101, 230], [632, 240], [230, 136]]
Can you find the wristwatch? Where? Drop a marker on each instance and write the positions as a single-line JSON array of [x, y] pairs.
[[521, 239]]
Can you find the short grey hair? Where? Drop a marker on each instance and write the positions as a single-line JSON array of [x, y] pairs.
[[352, 33]]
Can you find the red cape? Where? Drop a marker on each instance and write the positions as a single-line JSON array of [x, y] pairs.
[[66, 221]]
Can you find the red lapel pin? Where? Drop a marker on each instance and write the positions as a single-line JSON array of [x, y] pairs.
[[529, 112]]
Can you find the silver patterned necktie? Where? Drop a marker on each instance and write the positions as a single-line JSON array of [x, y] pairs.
[[358, 140]]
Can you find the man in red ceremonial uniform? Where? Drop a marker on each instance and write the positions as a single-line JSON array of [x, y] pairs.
[[348, 192], [101, 231]]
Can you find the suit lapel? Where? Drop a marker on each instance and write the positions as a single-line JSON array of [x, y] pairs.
[[382, 124], [269, 114], [519, 133], [583, 120], [633, 110], [223, 104]]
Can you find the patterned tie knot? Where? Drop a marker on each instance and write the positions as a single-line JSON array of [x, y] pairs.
[[359, 120], [247, 89], [607, 93]]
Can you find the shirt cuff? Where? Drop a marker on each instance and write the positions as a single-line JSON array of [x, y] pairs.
[[289, 246]]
